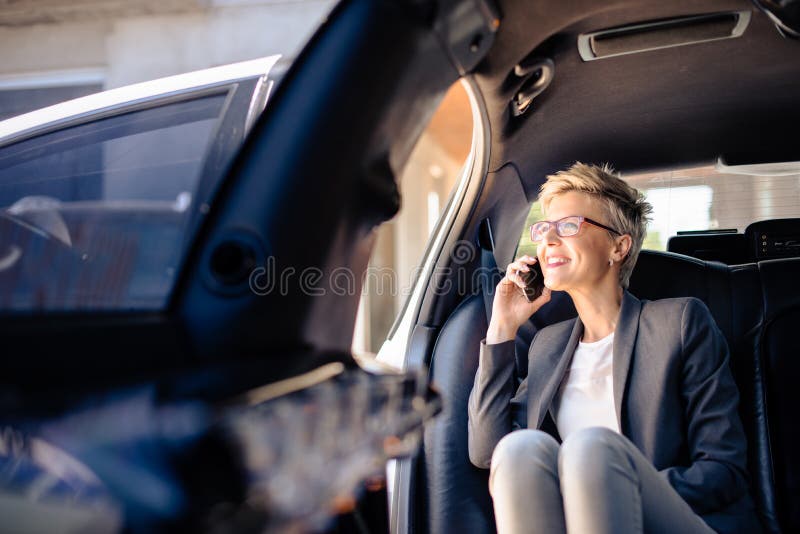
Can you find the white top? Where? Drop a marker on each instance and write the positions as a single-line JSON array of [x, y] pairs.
[[586, 395]]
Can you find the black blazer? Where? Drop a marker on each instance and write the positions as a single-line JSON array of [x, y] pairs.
[[674, 395]]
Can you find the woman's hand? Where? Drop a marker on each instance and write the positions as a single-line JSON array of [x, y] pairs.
[[510, 308]]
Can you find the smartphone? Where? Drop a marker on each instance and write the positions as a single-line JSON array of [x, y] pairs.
[[534, 282]]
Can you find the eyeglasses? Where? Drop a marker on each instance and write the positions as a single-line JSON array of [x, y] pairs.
[[565, 227]]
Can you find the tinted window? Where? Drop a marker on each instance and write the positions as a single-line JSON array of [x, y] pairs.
[[18, 101], [93, 216], [526, 246], [705, 198]]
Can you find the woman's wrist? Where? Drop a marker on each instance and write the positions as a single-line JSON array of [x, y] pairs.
[[500, 332]]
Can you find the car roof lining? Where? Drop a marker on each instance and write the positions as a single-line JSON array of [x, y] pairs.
[[667, 108]]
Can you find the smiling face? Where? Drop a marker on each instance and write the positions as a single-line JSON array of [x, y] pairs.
[[580, 261]]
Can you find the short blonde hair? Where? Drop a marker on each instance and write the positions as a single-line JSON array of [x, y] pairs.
[[626, 208]]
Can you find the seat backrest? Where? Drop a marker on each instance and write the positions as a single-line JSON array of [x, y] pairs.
[[727, 248], [457, 496], [779, 352], [748, 322], [457, 492], [733, 295], [666, 275]]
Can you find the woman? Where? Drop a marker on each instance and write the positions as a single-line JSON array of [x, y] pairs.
[[629, 411]]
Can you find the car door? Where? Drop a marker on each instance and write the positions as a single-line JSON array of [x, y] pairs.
[[99, 203], [152, 371]]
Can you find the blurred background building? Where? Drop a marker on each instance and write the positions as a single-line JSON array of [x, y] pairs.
[[54, 50]]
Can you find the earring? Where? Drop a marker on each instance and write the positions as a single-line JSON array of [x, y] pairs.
[[610, 262]]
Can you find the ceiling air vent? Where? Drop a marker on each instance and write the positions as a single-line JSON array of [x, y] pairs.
[[662, 34]]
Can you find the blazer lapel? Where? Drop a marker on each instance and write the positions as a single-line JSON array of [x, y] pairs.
[[546, 372], [624, 343], [547, 369]]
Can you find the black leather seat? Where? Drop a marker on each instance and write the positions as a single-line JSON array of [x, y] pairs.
[[457, 498], [778, 347], [457, 491], [734, 297]]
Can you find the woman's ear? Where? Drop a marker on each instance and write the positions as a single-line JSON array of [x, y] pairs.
[[622, 245]]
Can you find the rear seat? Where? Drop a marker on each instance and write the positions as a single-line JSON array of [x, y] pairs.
[[457, 497], [778, 348], [733, 295]]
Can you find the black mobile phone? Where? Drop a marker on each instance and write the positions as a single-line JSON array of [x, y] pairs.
[[534, 282]]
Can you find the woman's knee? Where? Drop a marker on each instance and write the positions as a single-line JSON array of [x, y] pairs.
[[592, 452], [520, 455], [523, 446]]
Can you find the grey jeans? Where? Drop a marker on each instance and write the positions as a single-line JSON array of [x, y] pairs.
[[597, 481]]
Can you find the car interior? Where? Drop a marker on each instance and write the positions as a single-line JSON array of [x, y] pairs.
[[644, 85], [661, 89]]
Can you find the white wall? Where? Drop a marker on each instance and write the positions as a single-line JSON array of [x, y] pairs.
[[151, 47], [146, 46]]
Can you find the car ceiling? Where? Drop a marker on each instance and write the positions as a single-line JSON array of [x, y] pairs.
[[673, 107]]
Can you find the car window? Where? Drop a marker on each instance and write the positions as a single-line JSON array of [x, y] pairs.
[[703, 198], [93, 216], [427, 185], [708, 198], [526, 246]]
